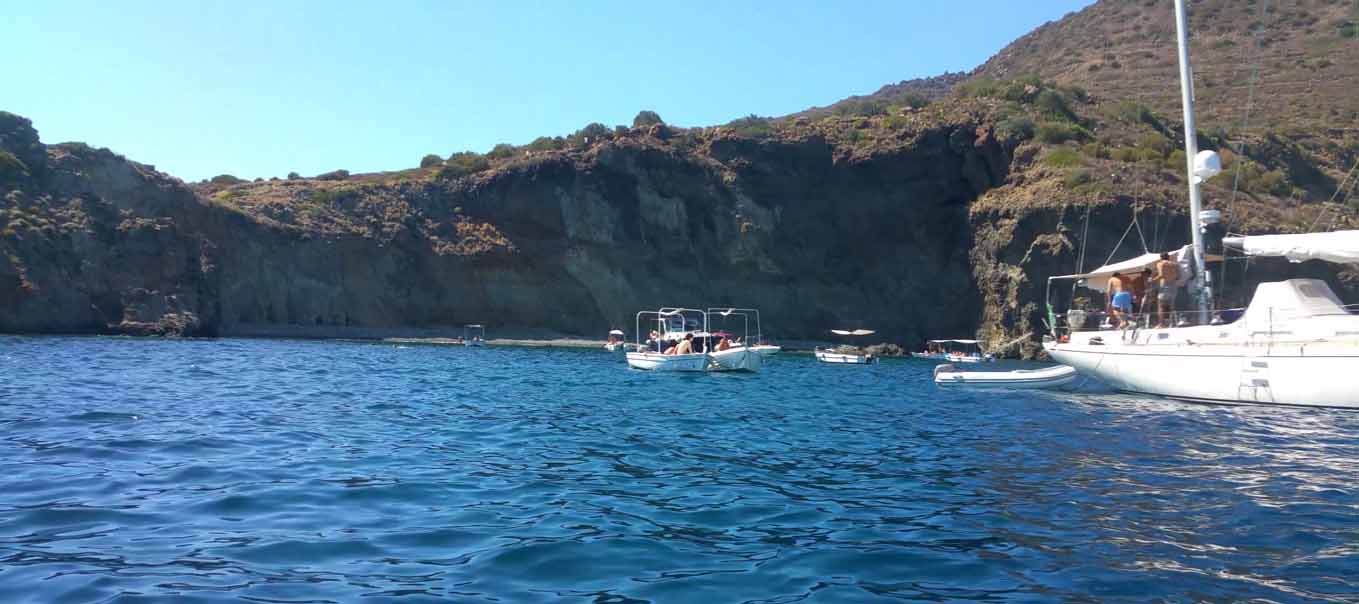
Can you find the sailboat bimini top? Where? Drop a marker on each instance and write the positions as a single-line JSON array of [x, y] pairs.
[[1341, 247]]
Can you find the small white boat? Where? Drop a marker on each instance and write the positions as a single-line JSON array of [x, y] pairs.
[[826, 355], [954, 351], [736, 358], [615, 343], [672, 327], [830, 355], [474, 335], [1021, 379], [766, 349], [655, 361]]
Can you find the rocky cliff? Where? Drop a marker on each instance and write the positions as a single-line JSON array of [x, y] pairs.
[[573, 241], [912, 211]]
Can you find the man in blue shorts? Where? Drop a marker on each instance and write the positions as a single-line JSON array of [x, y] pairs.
[[1120, 300]]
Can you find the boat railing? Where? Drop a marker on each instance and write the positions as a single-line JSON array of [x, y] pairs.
[[1100, 320]]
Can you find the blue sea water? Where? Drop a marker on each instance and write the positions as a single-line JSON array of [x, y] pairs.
[[298, 471]]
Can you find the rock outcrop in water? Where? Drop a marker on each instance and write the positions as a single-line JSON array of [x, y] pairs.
[[913, 212]]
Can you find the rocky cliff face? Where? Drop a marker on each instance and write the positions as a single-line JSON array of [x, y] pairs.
[[576, 242]]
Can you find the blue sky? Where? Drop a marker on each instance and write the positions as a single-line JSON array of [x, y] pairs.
[[255, 89]]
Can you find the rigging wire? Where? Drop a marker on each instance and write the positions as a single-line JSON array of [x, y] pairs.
[[1250, 102], [1120, 242], [1080, 260], [1255, 47]]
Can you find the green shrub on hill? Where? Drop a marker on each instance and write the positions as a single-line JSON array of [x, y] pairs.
[[1175, 161], [646, 118], [591, 133], [334, 175], [1059, 132], [501, 151], [546, 143], [463, 163], [861, 107], [226, 179], [1155, 142], [1054, 106], [1062, 157], [752, 126], [431, 161], [1018, 127], [11, 167]]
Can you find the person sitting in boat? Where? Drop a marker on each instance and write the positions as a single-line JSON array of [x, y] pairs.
[[1167, 282], [723, 344], [1120, 302], [685, 346]]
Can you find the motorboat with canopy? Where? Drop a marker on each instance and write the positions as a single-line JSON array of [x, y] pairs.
[[1295, 342], [474, 335], [955, 351], [667, 328], [726, 350], [672, 329], [759, 345], [846, 355], [615, 342]]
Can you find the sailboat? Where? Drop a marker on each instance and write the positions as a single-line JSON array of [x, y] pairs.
[[1294, 344]]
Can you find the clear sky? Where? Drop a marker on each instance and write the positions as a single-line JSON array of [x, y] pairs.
[[259, 89]]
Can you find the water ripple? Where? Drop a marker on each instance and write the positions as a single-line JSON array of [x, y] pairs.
[[264, 471]]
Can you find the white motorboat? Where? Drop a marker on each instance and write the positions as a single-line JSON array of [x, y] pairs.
[[671, 328], [1294, 344], [711, 350], [766, 349], [474, 335], [736, 358], [826, 355], [727, 351], [955, 351], [655, 361], [761, 346], [615, 342], [846, 355], [1046, 378]]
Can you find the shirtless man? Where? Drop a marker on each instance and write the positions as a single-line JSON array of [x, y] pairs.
[[686, 346], [1120, 300], [1167, 275]]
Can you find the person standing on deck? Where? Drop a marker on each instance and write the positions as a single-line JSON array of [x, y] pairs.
[[1120, 300], [1138, 285], [1166, 280]]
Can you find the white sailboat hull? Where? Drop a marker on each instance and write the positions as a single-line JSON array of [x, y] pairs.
[[1190, 365], [655, 361]]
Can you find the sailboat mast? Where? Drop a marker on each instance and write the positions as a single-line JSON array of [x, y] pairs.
[[1202, 282]]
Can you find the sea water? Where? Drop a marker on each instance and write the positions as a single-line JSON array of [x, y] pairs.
[[300, 471]]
